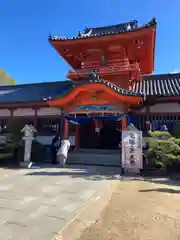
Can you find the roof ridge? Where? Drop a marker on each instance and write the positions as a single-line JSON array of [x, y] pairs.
[[159, 76], [113, 25], [98, 32]]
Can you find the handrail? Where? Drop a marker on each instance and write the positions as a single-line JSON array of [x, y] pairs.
[[103, 70], [111, 67]]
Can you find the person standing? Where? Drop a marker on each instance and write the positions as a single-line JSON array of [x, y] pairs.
[[63, 151], [55, 145]]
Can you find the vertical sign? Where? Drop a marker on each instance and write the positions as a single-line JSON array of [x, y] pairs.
[[132, 149]]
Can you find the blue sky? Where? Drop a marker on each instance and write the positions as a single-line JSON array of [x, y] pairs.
[[27, 56]]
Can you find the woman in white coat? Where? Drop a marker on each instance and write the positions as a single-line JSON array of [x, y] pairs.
[[63, 151]]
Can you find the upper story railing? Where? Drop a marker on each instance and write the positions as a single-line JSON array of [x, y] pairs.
[[114, 69]]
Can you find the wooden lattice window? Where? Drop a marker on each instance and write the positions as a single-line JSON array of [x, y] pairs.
[[48, 126]]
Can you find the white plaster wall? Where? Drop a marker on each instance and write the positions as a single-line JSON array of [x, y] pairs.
[[5, 113], [20, 112], [48, 111], [165, 108]]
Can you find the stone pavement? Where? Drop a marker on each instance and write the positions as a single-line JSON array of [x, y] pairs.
[[38, 203]]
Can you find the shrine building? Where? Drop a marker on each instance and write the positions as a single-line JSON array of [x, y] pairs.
[[110, 84]]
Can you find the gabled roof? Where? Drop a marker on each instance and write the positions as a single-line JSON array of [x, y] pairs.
[[161, 85], [107, 30]]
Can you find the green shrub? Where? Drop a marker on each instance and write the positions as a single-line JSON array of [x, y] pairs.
[[14, 128], [160, 135], [177, 141], [13, 138], [164, 150]]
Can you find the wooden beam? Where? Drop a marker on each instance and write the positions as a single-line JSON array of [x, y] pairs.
[[23, 105]]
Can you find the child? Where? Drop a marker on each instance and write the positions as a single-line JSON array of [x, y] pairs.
[[63, 151]]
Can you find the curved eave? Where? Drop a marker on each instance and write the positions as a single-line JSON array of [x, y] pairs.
[[136, 32], [151, 51], [120, 94]]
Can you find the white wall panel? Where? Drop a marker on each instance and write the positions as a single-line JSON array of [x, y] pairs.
[[20, 112], [165, 108], [5, 113], [48, 111]]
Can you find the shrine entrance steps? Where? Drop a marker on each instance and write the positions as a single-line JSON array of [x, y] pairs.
[[99, 157]]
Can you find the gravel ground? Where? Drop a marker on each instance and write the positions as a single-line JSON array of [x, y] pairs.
[[139, 210]]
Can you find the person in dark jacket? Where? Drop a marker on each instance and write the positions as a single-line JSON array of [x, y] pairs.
[[55, 145]]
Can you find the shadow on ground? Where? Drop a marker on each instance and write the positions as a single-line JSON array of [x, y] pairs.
[[162, 190], [171, 181], [86, 172]]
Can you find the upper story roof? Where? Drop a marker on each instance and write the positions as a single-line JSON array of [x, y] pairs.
[[122, 27], [131, 26]]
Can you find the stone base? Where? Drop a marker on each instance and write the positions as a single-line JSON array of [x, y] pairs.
[[25, 164], [131, 172]]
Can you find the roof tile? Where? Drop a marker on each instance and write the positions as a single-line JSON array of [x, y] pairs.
[[33, 92], [159, 85], [150, 85], [107, 30]]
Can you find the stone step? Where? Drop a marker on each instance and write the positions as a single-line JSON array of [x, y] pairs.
[[94, 158], [97, 151], [100, 163]]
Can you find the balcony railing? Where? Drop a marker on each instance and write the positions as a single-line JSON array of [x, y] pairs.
[[102, 71]]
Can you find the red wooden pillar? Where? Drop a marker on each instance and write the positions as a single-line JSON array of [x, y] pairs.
[[124, 123], [66, 129], [77, 136]]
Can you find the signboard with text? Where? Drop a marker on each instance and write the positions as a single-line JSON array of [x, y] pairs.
[[132, 149], [97, 107]]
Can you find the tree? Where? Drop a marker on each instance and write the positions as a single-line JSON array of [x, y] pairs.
[[5, 79], [164, 150]]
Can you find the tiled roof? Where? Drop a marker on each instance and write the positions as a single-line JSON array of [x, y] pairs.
[[33, 92], [151, 85], [107, 30], [123, 27], [39, 92], [159, 85]]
